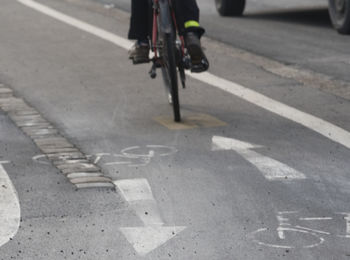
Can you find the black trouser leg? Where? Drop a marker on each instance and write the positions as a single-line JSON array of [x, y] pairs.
[[139, 20], [187, 11]]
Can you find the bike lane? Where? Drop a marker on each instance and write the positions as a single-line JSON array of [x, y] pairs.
[[215, 194]]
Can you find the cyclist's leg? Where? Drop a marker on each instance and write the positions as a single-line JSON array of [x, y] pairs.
[[139, 31], [188, 17], [189, 14], [139, 20]]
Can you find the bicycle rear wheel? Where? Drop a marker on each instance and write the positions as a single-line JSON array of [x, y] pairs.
[[170, 73]]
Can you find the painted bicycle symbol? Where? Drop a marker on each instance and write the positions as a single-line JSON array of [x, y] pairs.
[[288, 235], [134, 156]]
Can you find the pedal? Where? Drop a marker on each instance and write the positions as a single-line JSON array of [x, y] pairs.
[[153, 72], [186, 63], [200, 67]]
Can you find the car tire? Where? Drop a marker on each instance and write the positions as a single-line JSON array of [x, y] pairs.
[[230, 7], [339, 12]]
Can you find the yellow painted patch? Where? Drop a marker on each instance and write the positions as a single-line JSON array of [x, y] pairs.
[[190, 122]]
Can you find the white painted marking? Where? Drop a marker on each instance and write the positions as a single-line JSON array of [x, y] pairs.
[[135, 189], [270, 168], [10, 211], [312, 230], [347, 218], [131, 158], [301, 231], [140, 197], [257, 235], [40, 156], [262, 230], [328, 130], [117, 163], [120, 41], [312, 219], [153, 234], [99, 156], [148, 212], [347, 223], [171, 150], [162, 151], [287, 212], [146, 239]]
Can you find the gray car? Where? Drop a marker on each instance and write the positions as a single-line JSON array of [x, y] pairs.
[[339, 11]]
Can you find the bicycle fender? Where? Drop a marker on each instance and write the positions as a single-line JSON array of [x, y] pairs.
[[165, 17]]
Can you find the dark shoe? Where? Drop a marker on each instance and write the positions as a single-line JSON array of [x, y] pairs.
[[139, 53], [199, 61]]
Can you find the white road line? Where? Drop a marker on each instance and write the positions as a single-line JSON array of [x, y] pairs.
[[312, 219], [10, 211], [318, 125], [117, 40], [270, 168]]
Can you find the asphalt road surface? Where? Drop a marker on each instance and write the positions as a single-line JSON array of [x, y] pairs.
[[92, 167]]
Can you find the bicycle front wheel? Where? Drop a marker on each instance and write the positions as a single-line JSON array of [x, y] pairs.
[[170, 73]]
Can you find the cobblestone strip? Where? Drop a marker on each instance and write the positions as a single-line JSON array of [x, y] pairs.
[[63, 154]]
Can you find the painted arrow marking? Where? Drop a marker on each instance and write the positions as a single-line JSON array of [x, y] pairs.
[[9, 207], [270, 168], [138, 193]]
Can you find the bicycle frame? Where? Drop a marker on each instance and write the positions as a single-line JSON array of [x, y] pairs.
[[165, 24]]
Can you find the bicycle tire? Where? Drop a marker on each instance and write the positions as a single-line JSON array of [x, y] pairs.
[[170, 68]]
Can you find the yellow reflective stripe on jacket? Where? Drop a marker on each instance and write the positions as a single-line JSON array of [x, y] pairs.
[[191, 23]]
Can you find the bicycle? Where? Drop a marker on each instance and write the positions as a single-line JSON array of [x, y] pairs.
[[169, 51]]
